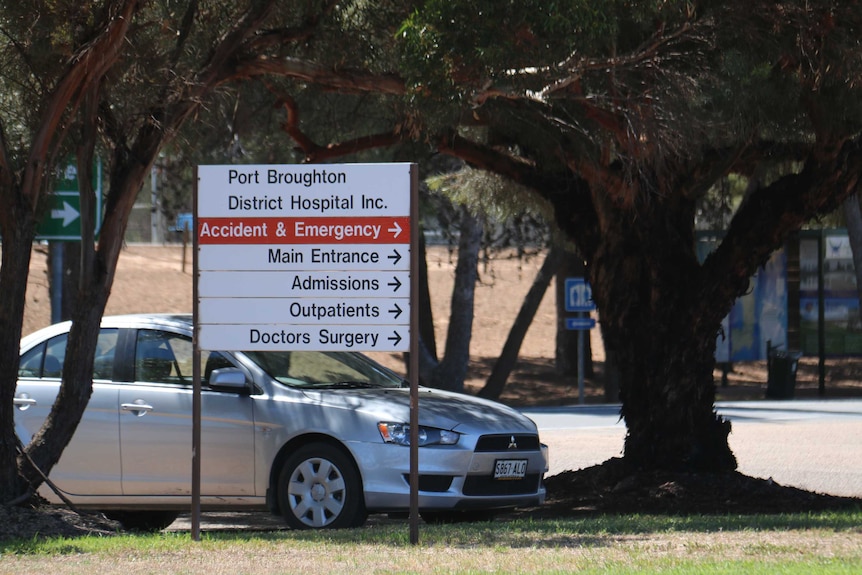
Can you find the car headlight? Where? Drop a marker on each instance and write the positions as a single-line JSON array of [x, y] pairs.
[[399, 433]]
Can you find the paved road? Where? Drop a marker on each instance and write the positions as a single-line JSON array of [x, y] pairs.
[[812, 444]]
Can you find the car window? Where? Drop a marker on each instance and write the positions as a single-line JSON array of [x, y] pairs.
[[165, 357], [106, 347], [158, 357], [30, 364], [46, 360], [323, 369], [55, 355]]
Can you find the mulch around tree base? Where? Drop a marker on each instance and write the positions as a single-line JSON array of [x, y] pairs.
[[42, 521], [609, 488]]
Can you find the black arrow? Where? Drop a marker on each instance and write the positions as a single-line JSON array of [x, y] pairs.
[[396, 257], [395, 338], [397, 311], [395, 283]]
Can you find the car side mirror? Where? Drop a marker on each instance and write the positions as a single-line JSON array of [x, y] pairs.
[[228, 379]]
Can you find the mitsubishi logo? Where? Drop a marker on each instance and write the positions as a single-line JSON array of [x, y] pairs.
[[512, 443]]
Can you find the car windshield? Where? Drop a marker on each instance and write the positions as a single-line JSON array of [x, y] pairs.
[[324, 370]]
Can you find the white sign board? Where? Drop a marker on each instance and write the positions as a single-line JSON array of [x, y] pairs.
[[304, 257]]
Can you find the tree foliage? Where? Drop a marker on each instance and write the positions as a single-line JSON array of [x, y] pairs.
[[120, 77], [620, 114], [624, 122]]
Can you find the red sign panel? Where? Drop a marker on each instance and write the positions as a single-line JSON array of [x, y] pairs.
[[341, 230]]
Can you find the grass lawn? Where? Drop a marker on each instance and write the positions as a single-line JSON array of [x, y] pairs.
[[804, 544]]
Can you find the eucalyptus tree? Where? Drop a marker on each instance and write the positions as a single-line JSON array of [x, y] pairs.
[[619, 113], [51, 72], [622, 115], [120, 77]]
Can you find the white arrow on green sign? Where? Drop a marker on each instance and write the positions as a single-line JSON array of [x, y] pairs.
[[63, 220]]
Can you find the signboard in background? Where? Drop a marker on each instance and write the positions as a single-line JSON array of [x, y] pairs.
[[759, 318], [579, 295], [579, 299], [830, 251], [62, 221]]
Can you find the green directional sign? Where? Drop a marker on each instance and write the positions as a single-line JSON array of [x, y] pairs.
[[63, 220]]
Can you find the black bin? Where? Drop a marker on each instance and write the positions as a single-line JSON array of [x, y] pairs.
[[781, 374]]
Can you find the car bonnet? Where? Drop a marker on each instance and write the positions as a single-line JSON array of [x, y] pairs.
[[441, 409]]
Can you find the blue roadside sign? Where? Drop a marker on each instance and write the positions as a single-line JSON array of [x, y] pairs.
[[579, 295]]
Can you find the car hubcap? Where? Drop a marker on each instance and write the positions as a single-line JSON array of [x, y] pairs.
[[316, 492]]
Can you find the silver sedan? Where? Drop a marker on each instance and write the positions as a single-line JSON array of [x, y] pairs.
[[320, 437]]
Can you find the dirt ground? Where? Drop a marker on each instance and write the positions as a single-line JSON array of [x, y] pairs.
[[159, 279]]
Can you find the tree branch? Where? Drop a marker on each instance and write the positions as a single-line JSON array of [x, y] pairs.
[[517, 169], [770, 215], [317, 153], [342, 80], [85, 68]]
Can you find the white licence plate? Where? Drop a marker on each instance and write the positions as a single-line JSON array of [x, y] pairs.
[[510, 468]]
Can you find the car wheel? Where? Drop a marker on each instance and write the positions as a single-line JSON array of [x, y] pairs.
[[149, 521], [319, 487]]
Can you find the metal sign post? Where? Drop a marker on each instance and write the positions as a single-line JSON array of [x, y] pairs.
[[413, 367], [196, 388]]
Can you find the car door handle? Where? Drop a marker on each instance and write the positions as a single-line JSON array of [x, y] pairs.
[[138, 407], [24, 402]]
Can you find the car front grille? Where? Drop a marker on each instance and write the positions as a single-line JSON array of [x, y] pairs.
[[507, 443], [484, 485]]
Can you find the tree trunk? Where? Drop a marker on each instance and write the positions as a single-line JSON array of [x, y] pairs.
[[426, 316], [86, 287], [645, 283], [428, 361], [46, 447], [509, 356], [18, 229], [452, 370]]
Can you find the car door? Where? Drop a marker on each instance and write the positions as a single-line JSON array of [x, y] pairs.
[[156, 424], [90, 464]]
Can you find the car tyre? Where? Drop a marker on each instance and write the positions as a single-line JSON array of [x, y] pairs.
[[146, 521], [319, 488]]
